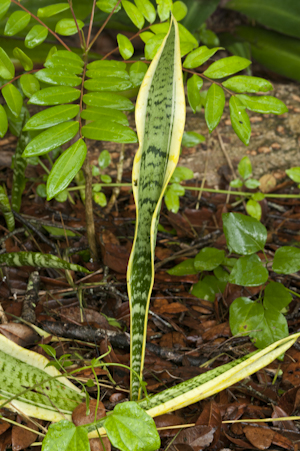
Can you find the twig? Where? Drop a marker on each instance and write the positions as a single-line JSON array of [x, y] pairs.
[[116, 190], [76, 23], [102, 28], [91, 24], [34, 229]]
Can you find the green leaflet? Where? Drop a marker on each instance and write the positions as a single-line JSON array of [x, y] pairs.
[[38, 259], [160, 118]]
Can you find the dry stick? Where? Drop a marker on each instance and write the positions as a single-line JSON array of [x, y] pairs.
[[116, 190]]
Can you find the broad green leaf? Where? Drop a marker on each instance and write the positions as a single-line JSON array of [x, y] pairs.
[[7, 69], [66, 58], [134, 14], [186, 36], [4, 6], [16, 22], [197, 57], [13, 99], [245, 83], [214, 106], [49, 350], [226, 66], [125, 46], [194, 84], [236, 183], [38, 260], [137, 72], [244, 315], [191, 139], [153, 45], [181, 173], [129, 428], [221, 274], [276, 296], [20, 163], [164, 7], [147, 9], [55, 77], [55, 231], [41, 190], [65, 168], [208, 37], [51, 10], [103, 114], [108, 100], [184, 268], [108, 5], [146, 36], [105, 65], [186, 47], [55, 96], [254, 209], [3, 122], [100, 199], [179, 10], [52, 116], [244, 235], [106, 178], [23, 58], [207, 288], [6, 210], [273, 327], [249, 272], [208, 259], [286, 260], [65, 436], [108, 72], [160, 28], [245, 168], [113, 84], [263, 104], [109, 131], [67, 27], [178, 189], [104, 159], [172, 201], [51, 138], [240, 120], [294, 174]]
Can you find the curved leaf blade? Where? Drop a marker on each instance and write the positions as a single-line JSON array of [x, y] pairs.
[[103, 114], [240, 120], [51, 116], [55, 77], [246, 83], [109, 131], [23, 58], [108, 100], [125, 46], [227, 66], [16, 22], [35, 36], [7, 69], [263, 104], [67, 27], [13, 98], [55, 96], [113, 84], [214, 106], [52, 10]]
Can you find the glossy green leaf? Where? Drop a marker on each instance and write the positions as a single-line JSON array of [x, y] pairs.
[[245, 167], [179, 10], [178, 189], [172, 201], [109, 131], [13, 99], [65, 168], [240, 120], [194, 84], [147, 9], [106, 178], [197, 57], [52, 116], [160, 28], [67, 58], [226, 66], [67, 27], [245, 315], [207, 288], [208, 259], [137, 72], [214, 106], [23, 58], [106, 65], [276, 296], [134, 14], [249, 272], [186, 36], [252, 184], [244, 235], [51, 138], [103, 114], [257, 196], [108, 5], [125, 46], [3, 122], [113, 84], [55, 96], [129, 428], [7, 69], [184, 268], [254, 209], [263, 104], [16, 22], [52, 10], [164, 7], [192, 139], [55, 77], [294, 174], [100, 199], [181, 173], [221, 274], [38, 260], [246, 83], [108, 72], [5, 208], [65, 436], [104, 159], [4, 6], [273, 327], [146, 36], [153, 45], [286, 260], [108, 100]]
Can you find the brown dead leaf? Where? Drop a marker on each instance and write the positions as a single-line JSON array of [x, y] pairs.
[[5, 440], [173, 339], [198, 437], [22, 438], [287, 424], [167, 420], [4, 425], [282, 441], [19, 333], [96, 445], [260, 437], [114, 255], [211, 417], [267, 183], [79, 416]]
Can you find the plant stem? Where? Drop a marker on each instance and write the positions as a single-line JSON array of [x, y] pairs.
[[90, 225], [76, 23], [90, 25], [102, 28]]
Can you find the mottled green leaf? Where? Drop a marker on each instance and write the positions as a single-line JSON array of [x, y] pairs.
[[65, 436], [4, 6], [15, 125], [38, 260], [16, 22], [51, 10], [249, 272], [6, 210], [194, 84], [52, 116], [208, 259], [240, 120], [191, 139], [109, 131], [227, 66], [137, 72], [125, 46], [51, 138], [294, 174], [13, 99], [286, 260], [214, 106], [23, 58], [179, 10], [263, 104], [108, 100], [55, 96], [3, 122], [65, 168], [103, 114], [134, 14], [113, 84], [67, 27], [245, 83], [245, 315], [197, 57], [184, 268], [55, 77], [147, 9], [7, 69], [273, 327], [276, 296], [253, 209], [108, 5]]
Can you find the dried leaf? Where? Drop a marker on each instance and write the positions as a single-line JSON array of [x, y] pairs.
[[79, 416], [22, 438], [19, 333]]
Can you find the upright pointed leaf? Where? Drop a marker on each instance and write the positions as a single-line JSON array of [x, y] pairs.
[[214, 106], [125, 46], [16, 22], [194, 85], [13, 98], [134, 14], [35, 36], [7, 69], [160, 117]]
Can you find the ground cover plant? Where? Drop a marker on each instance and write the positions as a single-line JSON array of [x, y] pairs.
[[160, 122]]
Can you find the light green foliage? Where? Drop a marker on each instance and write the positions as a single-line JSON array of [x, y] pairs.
[[23, 58], [147, 9], [13, 99], [125, 46], [4, 6], [7, 69], [294, 174], [108, 6], [214, 106], [3, 122], [36, 36], [52, 10], [184, 268], [246, 83], [16, 22], [65, 436], [54, 77], [240, 120], [104, 114], [286, 260], [109, 131], [249, 272], [226, 66], [208, 259], [194, 85], [191, 139], [67, 27], [55, 96], [197, 57], [134, 14], [244, 235], [39, 260]]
